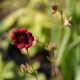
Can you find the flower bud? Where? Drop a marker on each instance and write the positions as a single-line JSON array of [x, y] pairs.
[[53, 45], [23, 68], [54, 8]]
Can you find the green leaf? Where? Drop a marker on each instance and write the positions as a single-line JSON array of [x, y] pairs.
[[50, 59], [78, 74], [64, 42], [74, 43]]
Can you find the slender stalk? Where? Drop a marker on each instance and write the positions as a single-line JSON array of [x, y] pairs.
[[53, 64], [49, 53], [31, 64], [62, 31]]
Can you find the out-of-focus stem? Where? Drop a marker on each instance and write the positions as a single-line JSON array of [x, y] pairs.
[[62, 31], [53, 64], [31, 64], [49, 53], [54, 67]]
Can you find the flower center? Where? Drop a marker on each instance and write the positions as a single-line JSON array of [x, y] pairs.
[[21, 37]]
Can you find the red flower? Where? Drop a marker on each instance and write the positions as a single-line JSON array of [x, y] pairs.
[[22, 38]]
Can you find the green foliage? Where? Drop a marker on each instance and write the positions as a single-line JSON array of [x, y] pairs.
[[6, 69]]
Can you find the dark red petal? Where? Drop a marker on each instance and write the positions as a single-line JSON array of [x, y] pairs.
[[13, 32], [28, 33], [30, 44], [23, 30], [32, 38], [12, 36], [15, 43], [17, 30], [21, 45], [30, 41], [27, 45]]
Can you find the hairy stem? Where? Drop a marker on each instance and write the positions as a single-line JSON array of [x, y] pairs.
[[31, 64]]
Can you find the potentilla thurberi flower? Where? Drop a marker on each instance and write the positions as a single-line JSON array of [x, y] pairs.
[[22, 38]]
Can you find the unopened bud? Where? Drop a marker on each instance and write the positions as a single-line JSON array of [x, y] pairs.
[[54, 8], [23, 68], [53, 45]]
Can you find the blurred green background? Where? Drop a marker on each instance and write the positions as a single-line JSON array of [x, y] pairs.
[[33, 15]]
